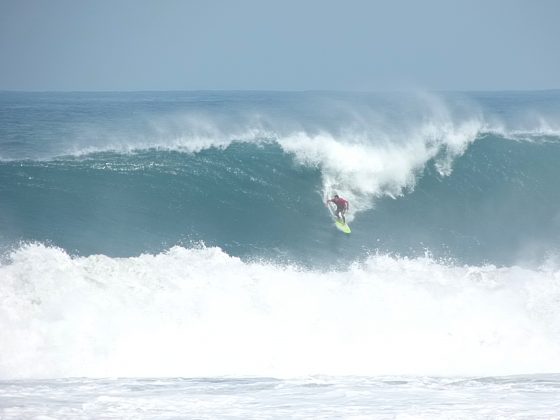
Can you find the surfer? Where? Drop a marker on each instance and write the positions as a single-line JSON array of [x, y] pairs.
[[342, 206]]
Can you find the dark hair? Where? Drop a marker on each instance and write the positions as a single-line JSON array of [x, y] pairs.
[[336, 196]]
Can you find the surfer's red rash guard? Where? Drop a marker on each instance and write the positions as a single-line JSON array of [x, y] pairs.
[[340, 202]]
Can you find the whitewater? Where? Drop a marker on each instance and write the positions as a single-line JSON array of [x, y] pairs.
[[170, 255]]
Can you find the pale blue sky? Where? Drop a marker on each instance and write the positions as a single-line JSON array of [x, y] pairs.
[[279, 45]]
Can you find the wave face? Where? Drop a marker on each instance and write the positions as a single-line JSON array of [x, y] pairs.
[[192, 225]]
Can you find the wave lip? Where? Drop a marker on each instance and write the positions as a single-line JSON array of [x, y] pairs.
[[200, 312], [363, 168]]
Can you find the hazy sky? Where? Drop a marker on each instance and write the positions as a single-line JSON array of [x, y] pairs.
[[283, 44]]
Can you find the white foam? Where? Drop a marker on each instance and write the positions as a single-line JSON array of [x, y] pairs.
[[200, 312], [362, 168]]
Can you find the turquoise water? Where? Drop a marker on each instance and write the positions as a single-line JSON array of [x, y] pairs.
[[470, 177]]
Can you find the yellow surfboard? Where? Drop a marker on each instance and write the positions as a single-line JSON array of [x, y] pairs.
[[340, 225]]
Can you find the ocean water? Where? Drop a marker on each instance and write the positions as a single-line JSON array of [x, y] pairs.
[[170, 255]]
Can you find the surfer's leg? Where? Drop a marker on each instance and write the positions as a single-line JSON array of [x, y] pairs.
[[340, 214]]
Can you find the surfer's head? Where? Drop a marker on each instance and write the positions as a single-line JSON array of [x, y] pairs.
[[336, 196]]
